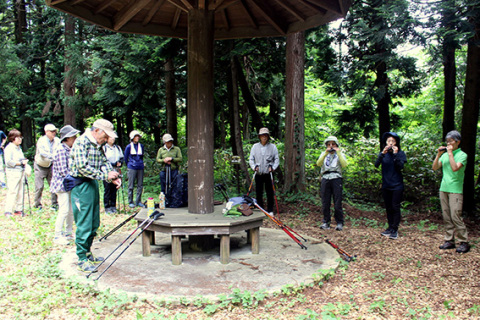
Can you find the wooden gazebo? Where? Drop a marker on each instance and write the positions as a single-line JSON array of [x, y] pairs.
[[202, 22]]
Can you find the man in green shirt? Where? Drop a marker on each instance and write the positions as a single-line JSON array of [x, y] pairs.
[[89, 165], [452, 160]]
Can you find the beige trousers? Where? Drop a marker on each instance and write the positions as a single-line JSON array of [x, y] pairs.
[[452, 205], [15, 183], [65, 214]]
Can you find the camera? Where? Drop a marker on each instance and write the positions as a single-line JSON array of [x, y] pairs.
[[390, 149], [331, 150]]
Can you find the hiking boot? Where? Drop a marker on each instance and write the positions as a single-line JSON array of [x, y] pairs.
[[93, 259], [61, 241], [464, 247], [8, 214], [86, 266], [325, 226], [131, 205], [393, 235], [39, 208], [113, 210], [141, 205], [55, 207], [447, 245], [339, 227], [18, 213], [387, 232]]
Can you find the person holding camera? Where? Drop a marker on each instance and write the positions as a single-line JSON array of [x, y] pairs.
[[453, 161], [264, 160], [392, 159], [15, 163], [332, 161], [60, 167]]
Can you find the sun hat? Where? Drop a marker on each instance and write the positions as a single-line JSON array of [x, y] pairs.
[[263, 131], [106, 126], [67, 132], [135, 133], [167, 137]]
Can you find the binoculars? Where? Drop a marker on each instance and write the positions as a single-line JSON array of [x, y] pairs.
[[443, 149], [331, 150], [390, 149]]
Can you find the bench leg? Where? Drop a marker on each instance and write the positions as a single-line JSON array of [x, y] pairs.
[[176, 250], [146, 240], [225, 249], [255, 239]]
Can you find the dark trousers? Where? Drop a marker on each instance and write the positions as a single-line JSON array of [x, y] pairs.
[[132, 176], [262, 180], [110, 195], [163, 180], [329, 188], [393, 199]]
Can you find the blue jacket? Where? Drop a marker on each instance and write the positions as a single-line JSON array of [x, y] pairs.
[[134, 161]]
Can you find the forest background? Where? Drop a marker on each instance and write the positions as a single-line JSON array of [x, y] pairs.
[[406, 66]]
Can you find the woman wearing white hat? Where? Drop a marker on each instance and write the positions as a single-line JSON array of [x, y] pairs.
[[168, 156], [134, 160]]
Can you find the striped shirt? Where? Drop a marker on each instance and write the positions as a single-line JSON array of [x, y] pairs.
[[60, 167], [88, 159]]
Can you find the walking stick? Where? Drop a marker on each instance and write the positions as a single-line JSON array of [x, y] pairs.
[[28, 194], [118, 227], [125, 240], [289, 231], [154, 216], [274, 192], [251, 183], [347, 256]]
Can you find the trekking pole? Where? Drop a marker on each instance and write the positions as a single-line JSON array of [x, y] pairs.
[[347, 256], [223, 191], [251, 183], [125, 240], [119, 226], [274, 192], [154, 216], [28, 195], [289, 231], [167, 178]]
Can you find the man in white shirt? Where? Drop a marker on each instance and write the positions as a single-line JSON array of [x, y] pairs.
[[46, 145]]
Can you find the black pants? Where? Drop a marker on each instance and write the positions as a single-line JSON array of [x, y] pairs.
[[393, 199], [110, 196], [332, 187], [260, 181]]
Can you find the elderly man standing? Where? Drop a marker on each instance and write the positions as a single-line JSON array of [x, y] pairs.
[[89, 164], [46, 145]]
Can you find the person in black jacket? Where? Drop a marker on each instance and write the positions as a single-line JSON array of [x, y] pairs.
[[392, 159]]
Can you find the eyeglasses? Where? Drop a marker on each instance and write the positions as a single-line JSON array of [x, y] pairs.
[[19, 137]]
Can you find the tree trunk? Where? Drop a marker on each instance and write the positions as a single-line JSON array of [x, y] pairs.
[[171, 99], [470, 117], [69, 81], [200, 110], [247, 95], [236, 119], [383, 105], [449, 67], [275, 115], [294, 114]]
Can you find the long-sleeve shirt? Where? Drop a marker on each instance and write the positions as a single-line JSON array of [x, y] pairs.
[[392, 166], [60, 167], [331, 164], [174, 152], [134, 161], [264, 156], [13, 156], [46, 148], [88, 159]]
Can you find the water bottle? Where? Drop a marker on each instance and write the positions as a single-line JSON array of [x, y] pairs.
[[150, 206], [161, 197]]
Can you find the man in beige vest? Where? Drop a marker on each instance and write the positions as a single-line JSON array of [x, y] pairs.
[[46, 145]]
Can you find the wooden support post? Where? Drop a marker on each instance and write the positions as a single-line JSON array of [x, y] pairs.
[[146, 241], [225, 248], [255, 239], [176, 250], [200, 110]]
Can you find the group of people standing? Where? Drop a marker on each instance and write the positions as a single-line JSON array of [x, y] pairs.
[[451, 159]]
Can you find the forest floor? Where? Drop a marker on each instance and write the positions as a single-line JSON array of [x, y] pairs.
[[407, 278]]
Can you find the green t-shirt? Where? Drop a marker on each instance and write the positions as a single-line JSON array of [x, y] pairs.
[[452, 182]]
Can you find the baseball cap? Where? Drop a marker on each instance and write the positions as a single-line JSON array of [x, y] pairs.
[[50, 127], [167, 137], [106, 126]]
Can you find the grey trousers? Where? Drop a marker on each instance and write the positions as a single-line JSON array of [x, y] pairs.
[[41, 174], [132, 176]]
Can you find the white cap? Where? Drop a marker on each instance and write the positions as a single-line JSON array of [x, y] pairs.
[[167, 137], [106, 126], [50, 127], [135, 133]]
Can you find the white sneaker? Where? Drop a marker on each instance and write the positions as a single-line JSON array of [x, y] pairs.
[[61, 241]]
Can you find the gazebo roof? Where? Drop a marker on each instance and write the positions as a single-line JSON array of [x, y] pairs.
[[233, 18]]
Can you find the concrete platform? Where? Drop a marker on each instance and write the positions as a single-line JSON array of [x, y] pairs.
[[280, 262]]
